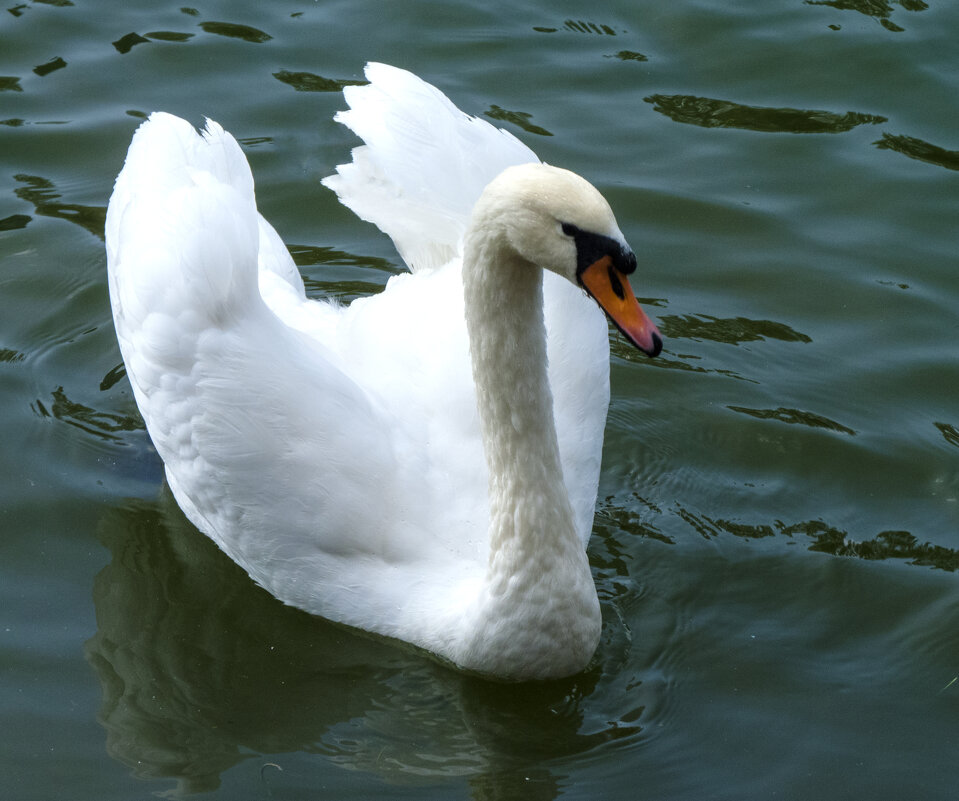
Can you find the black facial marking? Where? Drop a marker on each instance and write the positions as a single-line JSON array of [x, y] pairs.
[[591, 247]]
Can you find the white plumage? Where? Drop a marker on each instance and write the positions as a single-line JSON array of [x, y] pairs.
[[343, 455]]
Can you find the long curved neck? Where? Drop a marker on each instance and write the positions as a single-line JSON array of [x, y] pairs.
[[530, 511], [537, 614]]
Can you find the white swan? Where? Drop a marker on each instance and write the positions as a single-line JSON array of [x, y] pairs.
[[349, 458]]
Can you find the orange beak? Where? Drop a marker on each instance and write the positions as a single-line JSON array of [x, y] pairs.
[[611, 290]]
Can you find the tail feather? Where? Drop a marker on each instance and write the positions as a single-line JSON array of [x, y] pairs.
[[182, 227]]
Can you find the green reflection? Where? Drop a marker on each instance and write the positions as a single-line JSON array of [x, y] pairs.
[[611, 517], [794, 416], [18, 9], [949, 432], [101, 424], [730, 330], [823, 538], [113, 376], [14, 222], [310, 255], [342, 288], [630, 55], [51, 66], [877, 9], [520, 118], [581, 26], [920, 150], [170, 36], [11, 356], [712, 113], [43, 195], [126, 43], [887, 545], [308, 82], [234, 31], [255, 141]]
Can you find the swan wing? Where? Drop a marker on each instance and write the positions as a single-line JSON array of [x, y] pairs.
[[424, 164], [270, 447]]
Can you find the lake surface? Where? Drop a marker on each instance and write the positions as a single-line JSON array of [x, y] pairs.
[[777, 535]]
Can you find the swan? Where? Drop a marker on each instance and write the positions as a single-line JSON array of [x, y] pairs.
[[423, 463]]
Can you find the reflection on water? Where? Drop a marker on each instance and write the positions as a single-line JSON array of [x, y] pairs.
[[580, 26], [312, 255], [630, 55], [709, 112], [200, 670], [126, 43], [949, 432], [113, 376], [51, 66], [880, 10], [169, 36], [14, 222], [325, 283], [104, 425], [615, 517], [794, 416], [730, 330], [234, 31], [518, 118], [704, 327], [920, 150], [636, 517], [230, 30], [44, 196], [886, 545], [9, 355], [308, 82]]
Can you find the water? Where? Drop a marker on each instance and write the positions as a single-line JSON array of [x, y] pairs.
[[776, 540]]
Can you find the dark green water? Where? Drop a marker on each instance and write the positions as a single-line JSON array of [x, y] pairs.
[[777, 539]]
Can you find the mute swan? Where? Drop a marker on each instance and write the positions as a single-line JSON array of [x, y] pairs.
[[422, 464]]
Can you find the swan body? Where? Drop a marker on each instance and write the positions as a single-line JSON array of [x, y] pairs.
[[423, 463]]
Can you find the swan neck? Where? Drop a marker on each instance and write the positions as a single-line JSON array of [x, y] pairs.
[[529, 505]]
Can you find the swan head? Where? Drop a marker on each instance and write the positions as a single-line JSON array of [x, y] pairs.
[[557, 220]]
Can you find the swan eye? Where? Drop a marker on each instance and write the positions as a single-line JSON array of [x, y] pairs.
[[591, 247]]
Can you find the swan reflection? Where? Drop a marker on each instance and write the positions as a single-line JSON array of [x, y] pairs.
[[202, 670]]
